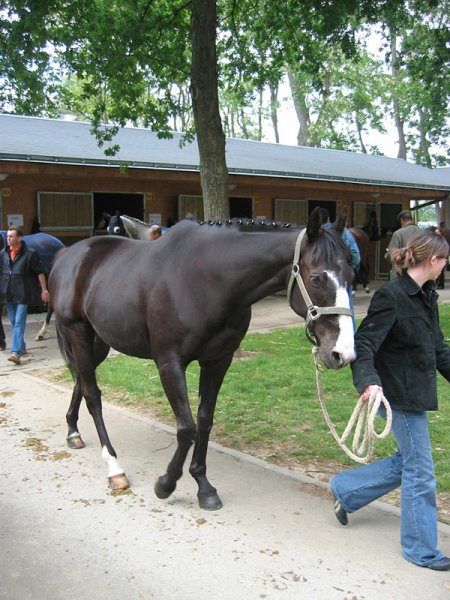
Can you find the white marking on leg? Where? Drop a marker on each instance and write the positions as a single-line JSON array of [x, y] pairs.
[[113, 464], [41, 332]]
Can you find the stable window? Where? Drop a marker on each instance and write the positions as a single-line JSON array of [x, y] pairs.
[[65, 211], [190, 205], [289, 210], [240, 207]]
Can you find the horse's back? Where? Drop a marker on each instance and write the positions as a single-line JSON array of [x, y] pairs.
[[84, 258], [104, 264], [362, 240]]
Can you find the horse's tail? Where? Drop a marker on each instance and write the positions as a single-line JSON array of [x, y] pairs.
[[66, 351]]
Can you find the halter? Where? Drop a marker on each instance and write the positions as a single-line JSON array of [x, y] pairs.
[[313, 312]]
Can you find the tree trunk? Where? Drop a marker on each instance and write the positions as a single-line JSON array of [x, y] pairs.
[[359, 129], [274, 111], [397, 114], [205, 104], [301, 110], [424, 157]]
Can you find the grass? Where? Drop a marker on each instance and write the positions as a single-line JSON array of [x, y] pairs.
[[268, 404]]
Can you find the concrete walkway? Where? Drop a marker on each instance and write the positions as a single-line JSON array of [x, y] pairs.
[[65, 535]]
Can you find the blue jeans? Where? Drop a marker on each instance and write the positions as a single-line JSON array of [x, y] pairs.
[[17, 315], [412, 468]]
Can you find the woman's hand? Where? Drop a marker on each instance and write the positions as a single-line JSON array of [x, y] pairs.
[[368, 391]]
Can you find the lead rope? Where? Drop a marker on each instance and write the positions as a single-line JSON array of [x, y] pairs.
[[363, 415]]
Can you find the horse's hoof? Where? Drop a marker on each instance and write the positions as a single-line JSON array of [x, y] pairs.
[[162, 490], [75, 442], [119, 482], [367, 288], [209, 501]]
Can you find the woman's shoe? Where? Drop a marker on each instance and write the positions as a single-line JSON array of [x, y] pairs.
[[440, 565], [341, 514]]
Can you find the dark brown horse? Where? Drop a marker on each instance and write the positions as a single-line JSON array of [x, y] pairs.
[[189, 297], [363, 243]]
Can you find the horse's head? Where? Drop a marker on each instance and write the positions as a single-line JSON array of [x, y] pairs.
[[318, 292], [115, 225], [105, 218]]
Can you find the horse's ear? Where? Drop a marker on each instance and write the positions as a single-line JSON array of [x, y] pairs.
[[314, 224], [340, 222]]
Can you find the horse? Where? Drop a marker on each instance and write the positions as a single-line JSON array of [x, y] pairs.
[[47, 246], [363, 243], [188, 297], [105, 218], [129, 226]]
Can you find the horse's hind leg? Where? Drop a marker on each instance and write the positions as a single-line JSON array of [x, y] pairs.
[[173, 379], [74, 440], [211, 378], [43, 330], [87, 352]]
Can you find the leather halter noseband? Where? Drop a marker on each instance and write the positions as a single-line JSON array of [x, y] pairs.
[[313, 312]]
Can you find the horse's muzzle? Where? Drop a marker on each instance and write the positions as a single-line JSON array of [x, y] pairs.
[[337, 359]]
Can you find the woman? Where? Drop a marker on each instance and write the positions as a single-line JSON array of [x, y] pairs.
[[399, 346]]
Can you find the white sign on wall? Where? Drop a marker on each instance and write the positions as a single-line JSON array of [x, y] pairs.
[[154, 218], [14, 220]]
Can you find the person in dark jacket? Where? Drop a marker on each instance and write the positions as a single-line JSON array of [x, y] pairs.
[[21, 268], [399, 347]]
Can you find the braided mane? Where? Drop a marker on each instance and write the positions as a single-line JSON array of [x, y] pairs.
[[250, 223]]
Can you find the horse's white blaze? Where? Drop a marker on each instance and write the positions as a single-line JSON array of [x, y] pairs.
[[345, 344], [113, 464]]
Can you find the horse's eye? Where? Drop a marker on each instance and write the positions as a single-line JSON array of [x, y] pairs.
[[315, 280]]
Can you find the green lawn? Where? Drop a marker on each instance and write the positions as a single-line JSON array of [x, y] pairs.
[[268, 404]]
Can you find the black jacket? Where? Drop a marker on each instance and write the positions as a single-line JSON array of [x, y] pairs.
[[400, 345], [19, 282]]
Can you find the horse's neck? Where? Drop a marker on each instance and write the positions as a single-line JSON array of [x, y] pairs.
[[260, 264]]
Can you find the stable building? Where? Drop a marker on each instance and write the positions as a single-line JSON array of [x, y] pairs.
[[53, 175]]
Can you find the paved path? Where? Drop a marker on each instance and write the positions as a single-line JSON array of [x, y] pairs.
[[64, 535]]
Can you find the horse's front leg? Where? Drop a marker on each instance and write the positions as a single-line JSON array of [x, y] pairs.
[[173, 379], [211, 378]]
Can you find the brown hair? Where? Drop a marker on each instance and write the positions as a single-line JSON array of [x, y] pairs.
[[18, 230], [419, 249]]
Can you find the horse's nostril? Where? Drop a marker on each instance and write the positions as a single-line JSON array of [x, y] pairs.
[[337, 358]]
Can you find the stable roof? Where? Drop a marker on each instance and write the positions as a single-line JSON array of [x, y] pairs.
[[34, 139]]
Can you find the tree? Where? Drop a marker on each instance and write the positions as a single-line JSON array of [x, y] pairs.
[[131, 58], [417, 50], [205, 104]]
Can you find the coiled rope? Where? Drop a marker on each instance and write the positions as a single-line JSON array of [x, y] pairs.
[[363, 415]]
